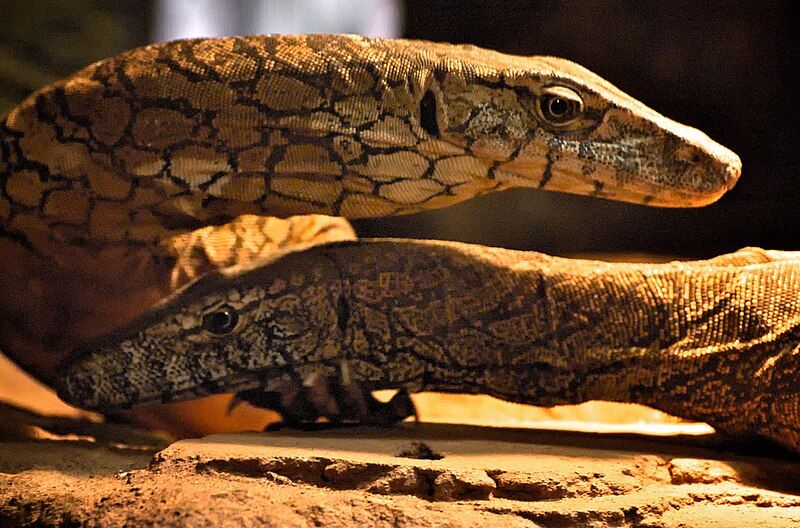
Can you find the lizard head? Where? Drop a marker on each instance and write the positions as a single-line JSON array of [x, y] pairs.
[[549, 123], [230, 330]]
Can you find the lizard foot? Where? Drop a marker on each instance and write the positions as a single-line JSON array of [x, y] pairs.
[[336, 400]]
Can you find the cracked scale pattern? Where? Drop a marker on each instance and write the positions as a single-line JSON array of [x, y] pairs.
[[180, 135], [714, 341], [152, 168]]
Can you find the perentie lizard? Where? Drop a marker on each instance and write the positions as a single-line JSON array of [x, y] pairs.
[[123, 182], [311, 332]]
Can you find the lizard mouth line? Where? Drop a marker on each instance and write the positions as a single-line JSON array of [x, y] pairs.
[[661, 195], [651, 194], [232, 383]]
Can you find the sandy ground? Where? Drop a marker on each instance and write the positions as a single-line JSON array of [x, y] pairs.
[[87, 473]]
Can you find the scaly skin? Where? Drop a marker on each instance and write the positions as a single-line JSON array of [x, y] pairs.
[[715, 341], [121, 183], [197, 132]]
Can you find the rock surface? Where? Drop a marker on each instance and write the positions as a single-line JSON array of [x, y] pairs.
[[486, 477]]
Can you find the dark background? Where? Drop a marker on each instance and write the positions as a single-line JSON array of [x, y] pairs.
[[729, 69]]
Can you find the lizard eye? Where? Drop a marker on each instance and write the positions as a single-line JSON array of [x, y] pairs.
[[221, 321], [559, 105]]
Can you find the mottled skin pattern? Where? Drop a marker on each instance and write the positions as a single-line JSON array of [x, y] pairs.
[[714, 341], [198, 132], [123, 182]]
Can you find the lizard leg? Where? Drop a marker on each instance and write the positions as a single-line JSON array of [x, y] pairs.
[[367, 409], [337, 399], [288, 397]]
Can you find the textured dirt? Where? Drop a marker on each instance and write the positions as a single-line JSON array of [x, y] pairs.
[[68, 469], [487, 477]]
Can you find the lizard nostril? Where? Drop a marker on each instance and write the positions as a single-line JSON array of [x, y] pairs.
[[689, 154]]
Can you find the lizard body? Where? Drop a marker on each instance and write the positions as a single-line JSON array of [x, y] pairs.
[[123, 182], [178, 135], [715, 341]]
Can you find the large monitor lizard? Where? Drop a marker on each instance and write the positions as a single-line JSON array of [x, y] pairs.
[[143, 171], [311, 332]]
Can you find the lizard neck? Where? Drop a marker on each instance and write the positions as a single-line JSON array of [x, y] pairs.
[[708, 341]]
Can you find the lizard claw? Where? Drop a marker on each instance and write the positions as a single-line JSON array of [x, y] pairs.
[[233, 404], [318, 393]]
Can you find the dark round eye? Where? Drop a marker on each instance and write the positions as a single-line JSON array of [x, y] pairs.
[[221, 321], [560, 105]]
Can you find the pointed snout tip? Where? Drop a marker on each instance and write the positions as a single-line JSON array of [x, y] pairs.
[[716, 168], [724, 163], [731, 170], [722, 174], [713, 171]]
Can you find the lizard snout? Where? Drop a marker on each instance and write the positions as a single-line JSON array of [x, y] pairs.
[[708, 168]]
